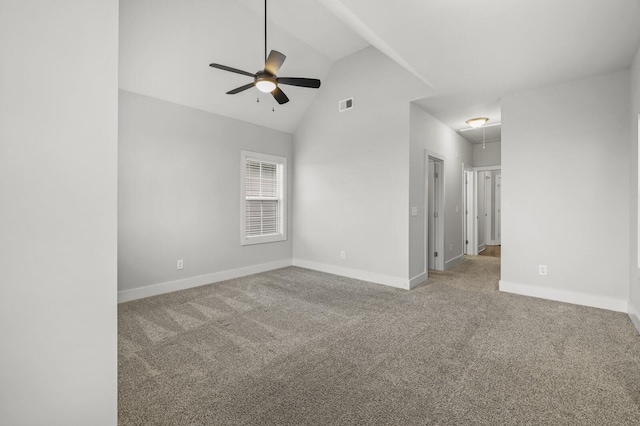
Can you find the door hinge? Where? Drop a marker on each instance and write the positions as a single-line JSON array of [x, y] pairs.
[[435, 214], [435, 175], [466, 242], [435, 254]]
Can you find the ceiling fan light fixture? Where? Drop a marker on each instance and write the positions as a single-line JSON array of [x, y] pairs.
[[477, 122], [266, 80], [266, 84]]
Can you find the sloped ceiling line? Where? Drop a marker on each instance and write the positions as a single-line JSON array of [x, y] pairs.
[[364, 31]]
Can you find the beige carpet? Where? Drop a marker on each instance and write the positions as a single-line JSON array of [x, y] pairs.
[[296, 347], [493, 251]]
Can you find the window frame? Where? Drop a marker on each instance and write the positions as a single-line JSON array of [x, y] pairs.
[[281, 163]]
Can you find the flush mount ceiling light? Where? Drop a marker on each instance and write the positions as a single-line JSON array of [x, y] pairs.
[[477, 122]]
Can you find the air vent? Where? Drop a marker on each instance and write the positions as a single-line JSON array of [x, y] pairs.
[[345, 104]]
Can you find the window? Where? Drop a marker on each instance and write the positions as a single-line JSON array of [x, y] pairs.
[[263, 202]]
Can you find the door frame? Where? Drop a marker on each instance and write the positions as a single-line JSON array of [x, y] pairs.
[[481, 209], [496, 209], [440, 203], [469, 223], [488, 238]]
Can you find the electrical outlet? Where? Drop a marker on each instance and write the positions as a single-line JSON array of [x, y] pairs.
[[414, 211], [180, 264], [343, 255], [542, 269]]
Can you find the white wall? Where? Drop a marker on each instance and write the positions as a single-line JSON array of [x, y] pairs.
[[353, 187], [634, 294], [179, 197], [565, 192], [428, 133], [58, 194], [489, 156]]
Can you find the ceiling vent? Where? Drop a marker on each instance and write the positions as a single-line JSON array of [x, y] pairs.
[[345, 104]]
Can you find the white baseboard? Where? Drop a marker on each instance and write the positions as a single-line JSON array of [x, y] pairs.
[[354, 273], [453, 262], [618, 305], [168, 287], [635, 317], [417, 280]]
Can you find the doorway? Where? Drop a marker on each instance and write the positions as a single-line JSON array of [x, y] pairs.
[[481, 216], [482, 209], [434, 185], [469, 211], [497, 208]]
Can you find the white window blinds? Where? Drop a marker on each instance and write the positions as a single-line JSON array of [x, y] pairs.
[[262, 195], [263, 198]]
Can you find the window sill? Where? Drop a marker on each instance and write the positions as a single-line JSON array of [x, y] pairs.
[[248, 241]]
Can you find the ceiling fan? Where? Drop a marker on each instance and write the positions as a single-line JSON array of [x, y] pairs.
[[266, 80]]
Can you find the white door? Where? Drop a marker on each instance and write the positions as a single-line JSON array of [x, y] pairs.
[[435, 213], [481, 210], [432, 212], [469, 212], [497, 208], [489, 209]]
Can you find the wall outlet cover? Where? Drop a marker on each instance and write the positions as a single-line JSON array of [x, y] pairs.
[[542, 269]]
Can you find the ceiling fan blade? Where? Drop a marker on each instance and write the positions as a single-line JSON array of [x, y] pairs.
[[280, 96], [312, 83], [240, 89], [226, 68], [274, 62]]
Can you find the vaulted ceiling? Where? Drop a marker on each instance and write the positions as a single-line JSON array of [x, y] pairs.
[[471, 53]]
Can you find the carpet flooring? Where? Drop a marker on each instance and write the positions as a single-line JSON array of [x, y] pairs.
[[493, 251], [297, 347]]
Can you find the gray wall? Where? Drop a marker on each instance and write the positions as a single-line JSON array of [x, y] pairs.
[[565, 192], [634, 295], [179, 192], [58, 194], [428, 133], [353, 190], [489, 156]]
